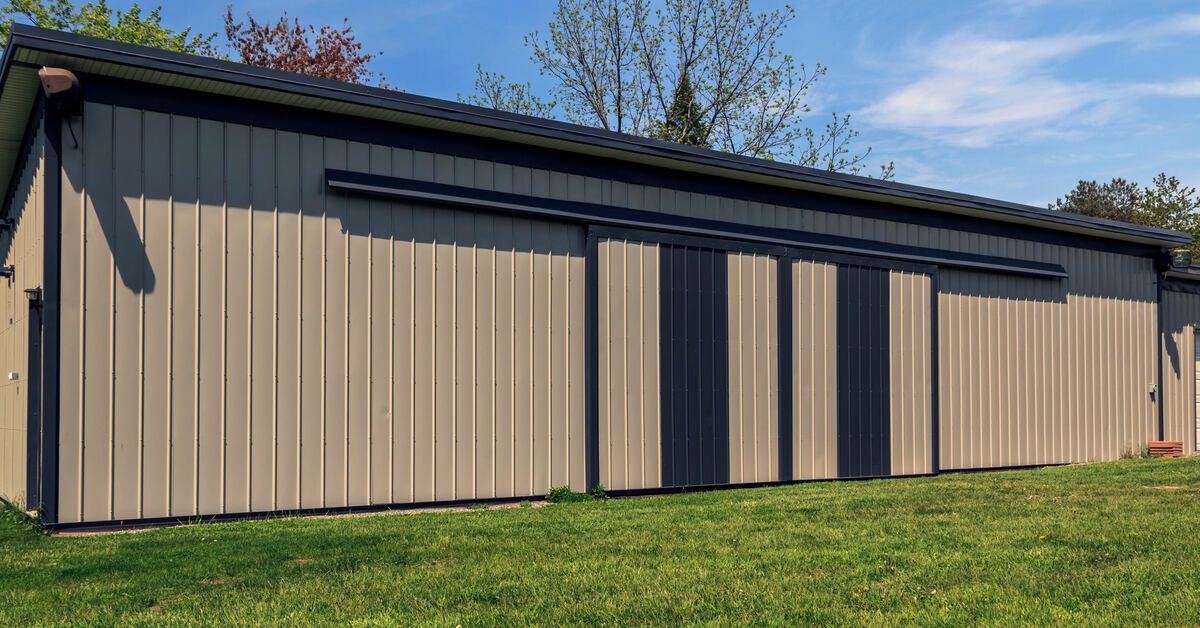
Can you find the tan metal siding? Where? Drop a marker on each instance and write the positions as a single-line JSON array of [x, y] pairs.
[[753, 368], [21, 248], [1181, 313], [1038, 371], [235, 339], [628, 319], [814, 374], [911, 384]]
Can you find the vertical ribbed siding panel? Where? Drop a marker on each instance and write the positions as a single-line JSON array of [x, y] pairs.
[[628, 319], [211, 308], [381, 346], [357, 226], [97, 410], [311, 342], [335, 328], [262, 283], [236, 360], [182, 282], [70, 429], [127, 340], [753, 368], [911, 383], [814, 354], [287, 321], [271, 347], [1195, 407], [1181, 313], [22, 249], [403, 341], [1046, 371]]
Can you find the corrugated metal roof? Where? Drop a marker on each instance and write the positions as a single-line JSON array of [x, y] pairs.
[[34, 46]]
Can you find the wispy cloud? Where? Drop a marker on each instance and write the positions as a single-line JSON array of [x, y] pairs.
[[973, 90]]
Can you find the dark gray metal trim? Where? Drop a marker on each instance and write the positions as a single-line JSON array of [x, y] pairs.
[[863, 411], [679, 226], [786, 390], [219, 70], [694, 363], [51, 316], [1159, 287], [592, 359], [934, 376]]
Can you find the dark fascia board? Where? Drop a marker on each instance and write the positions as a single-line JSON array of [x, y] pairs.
[[609, 216], [215, 69]]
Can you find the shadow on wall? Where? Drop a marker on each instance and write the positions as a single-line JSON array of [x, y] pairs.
[[1171, 336], [997, 286], [128, 248], [348, 215]]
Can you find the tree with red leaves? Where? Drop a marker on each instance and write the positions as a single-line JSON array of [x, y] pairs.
[[326, 52]]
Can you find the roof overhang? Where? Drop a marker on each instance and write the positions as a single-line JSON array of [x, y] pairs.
[[30, 48]]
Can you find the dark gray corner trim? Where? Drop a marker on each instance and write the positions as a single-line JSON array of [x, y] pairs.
[[51, 316], [236, 73], [590, 213]]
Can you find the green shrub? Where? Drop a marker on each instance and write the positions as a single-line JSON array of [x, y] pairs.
[[598, 492], [10, 513], [564, 495]]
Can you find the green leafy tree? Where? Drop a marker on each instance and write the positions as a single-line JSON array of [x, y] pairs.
[[1165, 203], [621, 65], [97, 19], [683, 123], [494, 91]]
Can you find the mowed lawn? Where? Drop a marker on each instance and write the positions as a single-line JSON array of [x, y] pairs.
[[1109, 543]]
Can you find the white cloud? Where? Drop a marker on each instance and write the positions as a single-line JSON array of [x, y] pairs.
[[974, 90]]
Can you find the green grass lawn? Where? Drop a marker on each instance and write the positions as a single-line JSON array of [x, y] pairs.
[[1104, 543]]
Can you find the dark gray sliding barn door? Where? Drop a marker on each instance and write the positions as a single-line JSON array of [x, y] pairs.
[[695, 366], [863, 381]]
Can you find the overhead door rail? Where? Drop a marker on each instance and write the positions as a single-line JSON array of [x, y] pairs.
[[596, 214]]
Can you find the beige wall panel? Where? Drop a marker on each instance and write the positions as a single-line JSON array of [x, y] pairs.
[[357, 224], [182, 284], [287, 325], [127, 329], [1181, 315], [630, 441], [911, 387], [98, 289], [753, 368], [814, 372], [70, 430], [1046, 371], [22, 249], [236, 314], [334, 351], [210, 490], [311, 340]]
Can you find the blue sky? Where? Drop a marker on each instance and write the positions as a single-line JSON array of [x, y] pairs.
[[1014, 99]]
